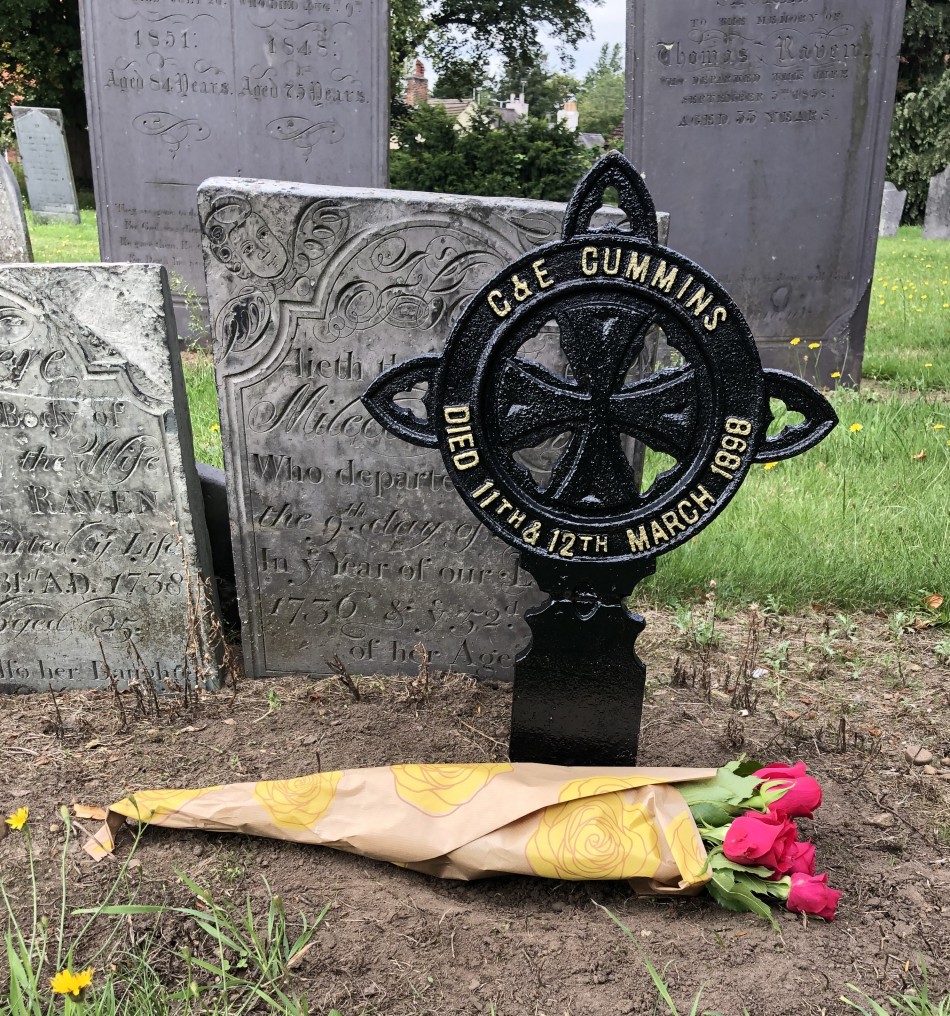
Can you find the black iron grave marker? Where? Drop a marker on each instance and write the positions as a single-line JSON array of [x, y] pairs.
[[589, 535]]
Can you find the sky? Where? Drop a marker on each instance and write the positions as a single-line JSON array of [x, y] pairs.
[[609, 22]]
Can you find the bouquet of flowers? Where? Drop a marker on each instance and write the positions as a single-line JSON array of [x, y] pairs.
[[745, 816], [669, 830]]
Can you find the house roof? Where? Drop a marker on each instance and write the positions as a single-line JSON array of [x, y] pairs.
[[589, 140], [453, 107]]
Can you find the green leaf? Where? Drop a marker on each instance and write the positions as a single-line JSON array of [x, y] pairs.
[[738, 897], [727, 789], [719, 862]]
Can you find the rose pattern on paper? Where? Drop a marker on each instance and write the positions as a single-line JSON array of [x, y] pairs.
[[440, 789], [605, 836], [590, 786], [687, 848], [298, 803], [156, 805]]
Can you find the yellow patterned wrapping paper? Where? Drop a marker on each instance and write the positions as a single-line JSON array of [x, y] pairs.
[[460, 821]]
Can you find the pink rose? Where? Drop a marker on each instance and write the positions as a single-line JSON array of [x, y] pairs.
[[800, 857], [757, 839], [809, 894], [803, 794]]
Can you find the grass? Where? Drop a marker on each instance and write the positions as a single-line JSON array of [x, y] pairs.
[[240, 963], [63, 242]]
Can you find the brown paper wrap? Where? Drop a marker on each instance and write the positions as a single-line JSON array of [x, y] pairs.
[[461, 821]]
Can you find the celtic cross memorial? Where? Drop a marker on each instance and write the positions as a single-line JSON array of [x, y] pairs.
[[584, 528]]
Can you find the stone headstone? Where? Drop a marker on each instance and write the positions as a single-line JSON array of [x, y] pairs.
[[762, 127], [14, 236], [178, 92], [348, 542], [937, 216], [892, 208], [49, 176], [102, 538]]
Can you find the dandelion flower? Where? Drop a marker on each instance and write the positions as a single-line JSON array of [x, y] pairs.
[[813, 345], [67, 983], [215, 426], [795, 341], [770, 465], [940, 426], [855, 427], [18, 819], [836, 373], [928, 364]]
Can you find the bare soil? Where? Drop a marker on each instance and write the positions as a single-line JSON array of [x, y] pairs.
[[848, 695]]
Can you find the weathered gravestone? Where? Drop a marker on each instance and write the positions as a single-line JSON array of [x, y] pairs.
[[937, 215], [49, 175], [102, 536], [178, 92], [892, 208], [585, 530], [762, 126], [350, 543], [14, 236]]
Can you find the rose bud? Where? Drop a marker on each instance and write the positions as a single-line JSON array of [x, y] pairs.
[[757, 839], [800, 857], [809, 894], [803, 794]]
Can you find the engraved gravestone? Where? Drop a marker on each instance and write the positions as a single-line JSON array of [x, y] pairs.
[[14, 236], [892, 208], [49, 175], [587, 530], [178, 92], [349, 542], [762, 126], [937, 216], [102, 537]]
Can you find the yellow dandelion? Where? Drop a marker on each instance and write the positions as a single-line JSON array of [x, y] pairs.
[[946, 305], [928, 364], [836, 373], [940, 426], [770, 465], [813, 345], [215, 426], [923, 296], [855, 427], [795, 341], [18, 819], [67, 983]]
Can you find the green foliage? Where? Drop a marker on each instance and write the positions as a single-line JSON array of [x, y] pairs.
[[529, 158], [456, 31], [41, 59], [544, 91], [600, 103], [920, 135]]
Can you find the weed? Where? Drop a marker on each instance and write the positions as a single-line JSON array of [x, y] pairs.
[[918, 1002]]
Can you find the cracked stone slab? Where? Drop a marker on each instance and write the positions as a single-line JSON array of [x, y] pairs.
[[103, 545]]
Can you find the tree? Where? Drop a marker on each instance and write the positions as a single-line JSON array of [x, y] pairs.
[[41, 57], [529, 158], [920, 135], [600, 103], [545, 92], [457, 31]]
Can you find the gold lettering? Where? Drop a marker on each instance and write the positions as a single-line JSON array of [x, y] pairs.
[[516, 518], [503, 507], [684, 287], [457, 414], [483, 489], [712, 321], [637, 269], [638, 541], [658, 532], [601, 543], [502, 310], [700, 300], [541, 274], [567, 541], [663, 279], [586, 267], [488, 500], [585, 542], [672, 523], [465, 460], [704, 502], [616, 268], [522, 290], [466, 440], [531, 533], [686, 518]]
